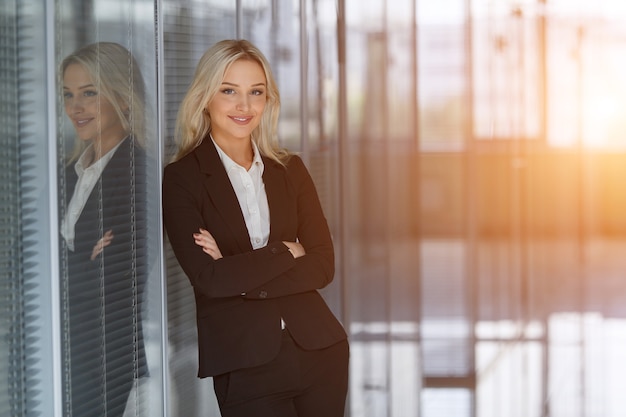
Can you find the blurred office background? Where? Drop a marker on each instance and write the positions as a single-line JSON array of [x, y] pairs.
[[471, 159]]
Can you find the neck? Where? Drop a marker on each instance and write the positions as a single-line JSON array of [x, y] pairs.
[[239, 150]]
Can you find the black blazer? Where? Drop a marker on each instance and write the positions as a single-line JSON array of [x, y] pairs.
[[241, 298], [104, 296]]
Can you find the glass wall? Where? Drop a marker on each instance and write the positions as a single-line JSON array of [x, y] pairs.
[[108, 158]]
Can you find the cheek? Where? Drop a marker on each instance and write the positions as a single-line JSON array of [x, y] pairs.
[[106, 112], [260, 105], [214, 108]]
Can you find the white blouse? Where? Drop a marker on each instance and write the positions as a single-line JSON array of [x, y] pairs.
[[87, 179], [250, 190]]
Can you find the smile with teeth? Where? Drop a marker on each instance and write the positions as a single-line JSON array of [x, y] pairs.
[[82, 122], [241, 119]]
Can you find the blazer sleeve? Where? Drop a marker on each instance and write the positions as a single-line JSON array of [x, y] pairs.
[[235, 273], [316, 269]]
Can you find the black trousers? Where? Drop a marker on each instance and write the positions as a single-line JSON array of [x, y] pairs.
[[297, 383]]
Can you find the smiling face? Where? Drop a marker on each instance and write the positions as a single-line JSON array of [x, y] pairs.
[[92, 115], [237, 107]]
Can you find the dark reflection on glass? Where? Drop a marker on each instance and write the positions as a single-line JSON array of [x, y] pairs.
[[103, 230]]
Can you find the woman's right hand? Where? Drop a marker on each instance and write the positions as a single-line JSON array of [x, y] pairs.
[[296, 249]]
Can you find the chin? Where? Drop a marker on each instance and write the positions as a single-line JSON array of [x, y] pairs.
[[85, 138]]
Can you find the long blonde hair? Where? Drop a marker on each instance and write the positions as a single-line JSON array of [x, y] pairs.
[[194, 124], [117, 77]]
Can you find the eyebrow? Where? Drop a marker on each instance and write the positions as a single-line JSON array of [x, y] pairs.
[[81, 87], [237, 85]]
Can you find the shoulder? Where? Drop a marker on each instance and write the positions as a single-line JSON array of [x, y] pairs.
[[187, 173], [294, 163], [296, 168], [187, 164], [297, 174], [128, 150], [292, 166], [203, 158]]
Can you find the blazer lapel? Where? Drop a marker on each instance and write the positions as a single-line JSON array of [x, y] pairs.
[[279, 194], [221, 193]]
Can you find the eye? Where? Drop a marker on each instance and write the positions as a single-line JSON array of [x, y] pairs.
[[257, 92], [67, 95], [228, 91], [90, 93]]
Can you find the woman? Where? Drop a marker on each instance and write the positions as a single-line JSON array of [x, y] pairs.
[[103, 229], [247, 227]]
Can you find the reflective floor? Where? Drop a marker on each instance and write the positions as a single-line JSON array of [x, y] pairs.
[[560, 352]]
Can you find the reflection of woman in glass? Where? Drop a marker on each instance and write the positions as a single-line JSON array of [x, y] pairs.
[[246, 224], [103, 228]]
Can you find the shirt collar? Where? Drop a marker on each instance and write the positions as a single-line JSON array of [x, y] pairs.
[[99, 164]]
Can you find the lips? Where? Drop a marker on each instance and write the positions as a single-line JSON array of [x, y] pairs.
[[82, 122], [241, 119]]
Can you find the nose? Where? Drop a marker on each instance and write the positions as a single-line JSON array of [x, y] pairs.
[[74, 105], [243, 104]]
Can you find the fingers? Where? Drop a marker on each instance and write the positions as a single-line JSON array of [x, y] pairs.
[[208, 244], [204, 239], [107, 238], [102, 243], [296, 248]]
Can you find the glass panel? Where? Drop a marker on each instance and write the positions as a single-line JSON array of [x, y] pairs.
[[320, 120], [585, 86], [27, 348], [446, 402], [380, 168], [442, 75], [109, 214], [365, 206], [446, 245], [507, 70]]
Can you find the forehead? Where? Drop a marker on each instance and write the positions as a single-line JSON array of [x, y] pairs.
[[245, 71], [76, 75]]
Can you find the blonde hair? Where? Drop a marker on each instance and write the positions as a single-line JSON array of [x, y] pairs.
[[117, 77], [194, 123]]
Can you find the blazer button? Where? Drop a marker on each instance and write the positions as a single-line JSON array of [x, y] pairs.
[[263, 294], [274, 250]]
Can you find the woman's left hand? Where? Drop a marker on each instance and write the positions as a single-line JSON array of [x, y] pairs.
[[101, 244], [207, 243]]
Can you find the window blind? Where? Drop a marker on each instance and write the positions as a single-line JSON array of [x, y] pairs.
[[23, 240], [12, 306]]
